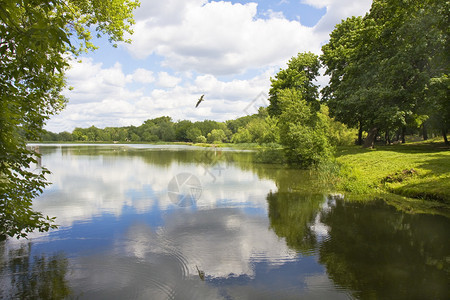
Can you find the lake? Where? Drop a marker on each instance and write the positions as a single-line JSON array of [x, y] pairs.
[[182, 222]]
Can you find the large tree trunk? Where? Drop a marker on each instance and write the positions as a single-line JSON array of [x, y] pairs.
[[387, 138], [403, 134], [444, 135], [360, 132], [370, 139], [424, 132]]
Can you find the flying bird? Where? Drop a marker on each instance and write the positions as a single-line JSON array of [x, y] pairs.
[[199, 100]]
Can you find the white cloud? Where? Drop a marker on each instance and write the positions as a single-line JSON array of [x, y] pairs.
[[167, 81], [93, 83], [143, 76], [337, 11], [103, 100], [225, 38], [221, 38], [318, 3]]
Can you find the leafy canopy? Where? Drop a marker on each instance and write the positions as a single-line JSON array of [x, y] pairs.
[[384, 66], [300, 74]]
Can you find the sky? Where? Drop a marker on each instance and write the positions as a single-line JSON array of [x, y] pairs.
[[182, 49]]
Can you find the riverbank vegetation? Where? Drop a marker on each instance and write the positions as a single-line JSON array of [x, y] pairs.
[[417, 173]]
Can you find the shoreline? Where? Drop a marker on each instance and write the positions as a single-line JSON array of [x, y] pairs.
[[414, 177]]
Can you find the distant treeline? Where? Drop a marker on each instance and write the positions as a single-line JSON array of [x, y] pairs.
[[257, 128]]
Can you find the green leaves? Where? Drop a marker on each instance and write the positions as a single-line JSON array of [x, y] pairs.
[[302, 130], [36, 43], [294, 104], [300, 75], [380, 65]]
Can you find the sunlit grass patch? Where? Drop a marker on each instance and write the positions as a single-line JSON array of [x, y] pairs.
[[417, 170]]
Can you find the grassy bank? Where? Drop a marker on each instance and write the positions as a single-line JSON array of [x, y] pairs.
[[418, 170]]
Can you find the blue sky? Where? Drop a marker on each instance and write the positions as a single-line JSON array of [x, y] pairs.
[[181, 49]]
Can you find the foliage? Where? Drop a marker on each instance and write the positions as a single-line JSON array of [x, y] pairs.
[[36, 38], [437, 93], [243, 135], [338, 133], [199, 139], [181, 130], [382, 66], [216, 136], [302, 130], [192, 133], [300, 75], [236, 124]]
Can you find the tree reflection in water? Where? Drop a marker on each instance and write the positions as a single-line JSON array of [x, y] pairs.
[[382, 253], [32, 277], [370, 249]]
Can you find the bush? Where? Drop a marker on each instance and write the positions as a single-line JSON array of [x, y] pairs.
[[200, 139], [217, 136], [339, 133], [242, 136], [303, 131]]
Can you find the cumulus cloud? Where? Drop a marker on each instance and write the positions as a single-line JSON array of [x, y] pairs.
[[102, 100], [143, 76], [167, 81], [337, 11], [226, 38], [221, 38], [92, 82]]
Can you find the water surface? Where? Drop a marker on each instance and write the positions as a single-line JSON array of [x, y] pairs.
[[178, 222]]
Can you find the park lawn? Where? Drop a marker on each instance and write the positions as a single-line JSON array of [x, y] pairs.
[[418, 170]]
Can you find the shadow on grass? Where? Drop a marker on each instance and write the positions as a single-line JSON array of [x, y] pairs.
[[432, 158], [420, 147], [438, 165], [435, 187], [348, 150]]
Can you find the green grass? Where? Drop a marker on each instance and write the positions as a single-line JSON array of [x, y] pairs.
[[419, 170]]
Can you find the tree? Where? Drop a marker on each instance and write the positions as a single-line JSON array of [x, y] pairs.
[[217, 136], [242, 136], [300, 75], [200, 139], [65, 136], [207, 126], [181, 130], [293, 102], [437, 94], [303, 131], [236, 124], [381, 64], [192, 133], [37, 40], [338, 56]]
